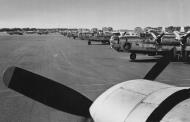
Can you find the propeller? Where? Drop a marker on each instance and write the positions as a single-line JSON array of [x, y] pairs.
[[159, 66], [158, 38], [47, 91], [183, 41], [153, 35], [124, 33], [176, 33]]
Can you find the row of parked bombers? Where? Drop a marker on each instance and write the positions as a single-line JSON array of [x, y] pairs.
[[149, 43]]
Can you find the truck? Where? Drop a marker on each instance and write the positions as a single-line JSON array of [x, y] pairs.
[[104, 38]]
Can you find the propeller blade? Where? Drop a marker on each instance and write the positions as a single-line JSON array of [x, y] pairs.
[[158, 39], [159, 67], [162, 35], [186, 36], [47, 91], [176, 33], [153, 35]]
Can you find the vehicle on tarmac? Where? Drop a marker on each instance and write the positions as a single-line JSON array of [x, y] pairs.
[[138, 100], [85, 35], [103, 37]]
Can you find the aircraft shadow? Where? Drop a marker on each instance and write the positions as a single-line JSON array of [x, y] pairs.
[[156, 60], [187, 62], [99, 44], [145, 60]]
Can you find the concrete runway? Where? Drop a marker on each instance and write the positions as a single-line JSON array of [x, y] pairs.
[[89, 69]]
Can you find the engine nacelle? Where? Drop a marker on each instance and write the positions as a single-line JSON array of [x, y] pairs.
[[139, 101]]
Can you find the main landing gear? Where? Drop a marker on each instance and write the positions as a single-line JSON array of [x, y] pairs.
[[89, 42], [132, 56]]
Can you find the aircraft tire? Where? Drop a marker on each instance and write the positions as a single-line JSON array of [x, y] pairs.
[[185, 56], [174, 53], [89, 42], [132, 56]]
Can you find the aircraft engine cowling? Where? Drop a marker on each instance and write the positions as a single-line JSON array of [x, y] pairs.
[[138, 101]]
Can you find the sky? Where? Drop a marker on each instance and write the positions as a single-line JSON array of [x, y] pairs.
[[119, 14]]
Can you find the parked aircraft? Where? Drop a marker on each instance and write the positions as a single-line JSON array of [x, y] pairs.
[[184, 45], [140, 100], [115, 40], [146, 43], [150, 44], [15, 32]]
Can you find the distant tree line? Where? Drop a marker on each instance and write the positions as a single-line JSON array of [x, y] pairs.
[[30, 29], [17, 29], [137, 29]]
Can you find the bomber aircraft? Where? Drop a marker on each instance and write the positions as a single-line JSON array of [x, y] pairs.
[[147, 43], [183, 48], [139, 100], [157, 45]]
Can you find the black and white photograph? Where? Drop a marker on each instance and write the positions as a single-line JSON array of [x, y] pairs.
[[94, 61]]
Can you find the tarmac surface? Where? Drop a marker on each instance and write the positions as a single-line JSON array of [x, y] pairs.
[[89, 69]]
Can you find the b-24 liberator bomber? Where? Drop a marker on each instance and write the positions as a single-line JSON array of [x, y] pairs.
[[152, 45]]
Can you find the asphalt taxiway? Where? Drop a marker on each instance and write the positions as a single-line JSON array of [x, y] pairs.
[[89, 69]]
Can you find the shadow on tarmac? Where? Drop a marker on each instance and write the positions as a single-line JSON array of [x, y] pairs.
[[157, 59], [99, 44]]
